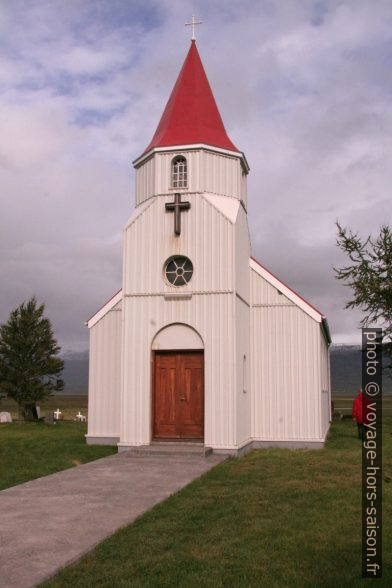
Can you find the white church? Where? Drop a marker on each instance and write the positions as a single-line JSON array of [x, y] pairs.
[[202, 344]]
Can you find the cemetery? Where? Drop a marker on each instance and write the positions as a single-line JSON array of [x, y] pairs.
[[35, 449]]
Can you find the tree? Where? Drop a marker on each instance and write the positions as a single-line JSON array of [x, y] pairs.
[[370, 278], [29, 368]]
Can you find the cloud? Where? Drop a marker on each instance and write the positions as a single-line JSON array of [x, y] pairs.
[[303, 87]]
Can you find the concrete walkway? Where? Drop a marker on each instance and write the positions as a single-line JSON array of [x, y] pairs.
[[47, 523]]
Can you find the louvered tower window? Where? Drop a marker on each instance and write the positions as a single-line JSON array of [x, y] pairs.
[[179, 172]]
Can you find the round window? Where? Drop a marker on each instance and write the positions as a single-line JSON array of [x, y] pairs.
[[179, 270]]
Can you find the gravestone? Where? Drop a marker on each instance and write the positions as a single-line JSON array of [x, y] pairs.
[[49, 419], [5, 417]]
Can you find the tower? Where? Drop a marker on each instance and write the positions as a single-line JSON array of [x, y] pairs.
[[186, 278]]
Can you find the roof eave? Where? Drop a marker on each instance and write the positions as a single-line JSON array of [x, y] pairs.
[[191, 146], [115, 299]]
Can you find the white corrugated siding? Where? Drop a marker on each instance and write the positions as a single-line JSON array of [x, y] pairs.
[[242, 333], [242, 252], [212, 316], [244, 188], [207, 172], [207, 238], [243, 383], [104, 375], [145, 181], [325, 385], [285, 351], [220, 174]]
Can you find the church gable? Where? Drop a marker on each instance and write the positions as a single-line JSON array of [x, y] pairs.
[[206, 240], [278, 293], [263, 293]]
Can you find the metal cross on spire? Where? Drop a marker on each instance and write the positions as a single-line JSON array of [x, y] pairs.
[[192, 24]]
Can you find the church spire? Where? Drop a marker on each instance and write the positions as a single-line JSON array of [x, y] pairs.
[[191, 115]]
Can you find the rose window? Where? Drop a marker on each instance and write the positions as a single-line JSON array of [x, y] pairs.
[[179, 270]]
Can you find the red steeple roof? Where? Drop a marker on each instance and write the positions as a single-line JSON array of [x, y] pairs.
[[191, 114]]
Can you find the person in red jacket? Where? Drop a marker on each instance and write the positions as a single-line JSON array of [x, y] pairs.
[[360, 412]]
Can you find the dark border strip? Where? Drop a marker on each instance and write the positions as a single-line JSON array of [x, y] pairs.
[[372, 453]]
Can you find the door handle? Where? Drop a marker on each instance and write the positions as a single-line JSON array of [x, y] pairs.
[[182, 398]]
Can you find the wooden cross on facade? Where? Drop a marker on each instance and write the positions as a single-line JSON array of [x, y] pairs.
[[177, 206]]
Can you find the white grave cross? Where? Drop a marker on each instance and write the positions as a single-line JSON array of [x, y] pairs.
[[57, 414]]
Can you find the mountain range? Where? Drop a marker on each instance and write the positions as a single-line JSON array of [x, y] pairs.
[[346, 371]]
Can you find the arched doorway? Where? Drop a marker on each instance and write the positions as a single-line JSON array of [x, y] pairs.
[[178, 384]]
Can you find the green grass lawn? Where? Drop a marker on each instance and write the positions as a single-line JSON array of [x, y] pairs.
[[273, 518], [32, 450]]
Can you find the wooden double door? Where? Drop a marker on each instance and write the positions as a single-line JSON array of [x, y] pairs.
[[178, 395]]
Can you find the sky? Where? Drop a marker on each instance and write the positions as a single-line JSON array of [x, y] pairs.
[[304, 89]]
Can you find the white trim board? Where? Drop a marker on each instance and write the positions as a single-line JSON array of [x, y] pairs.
[[104, 309]]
